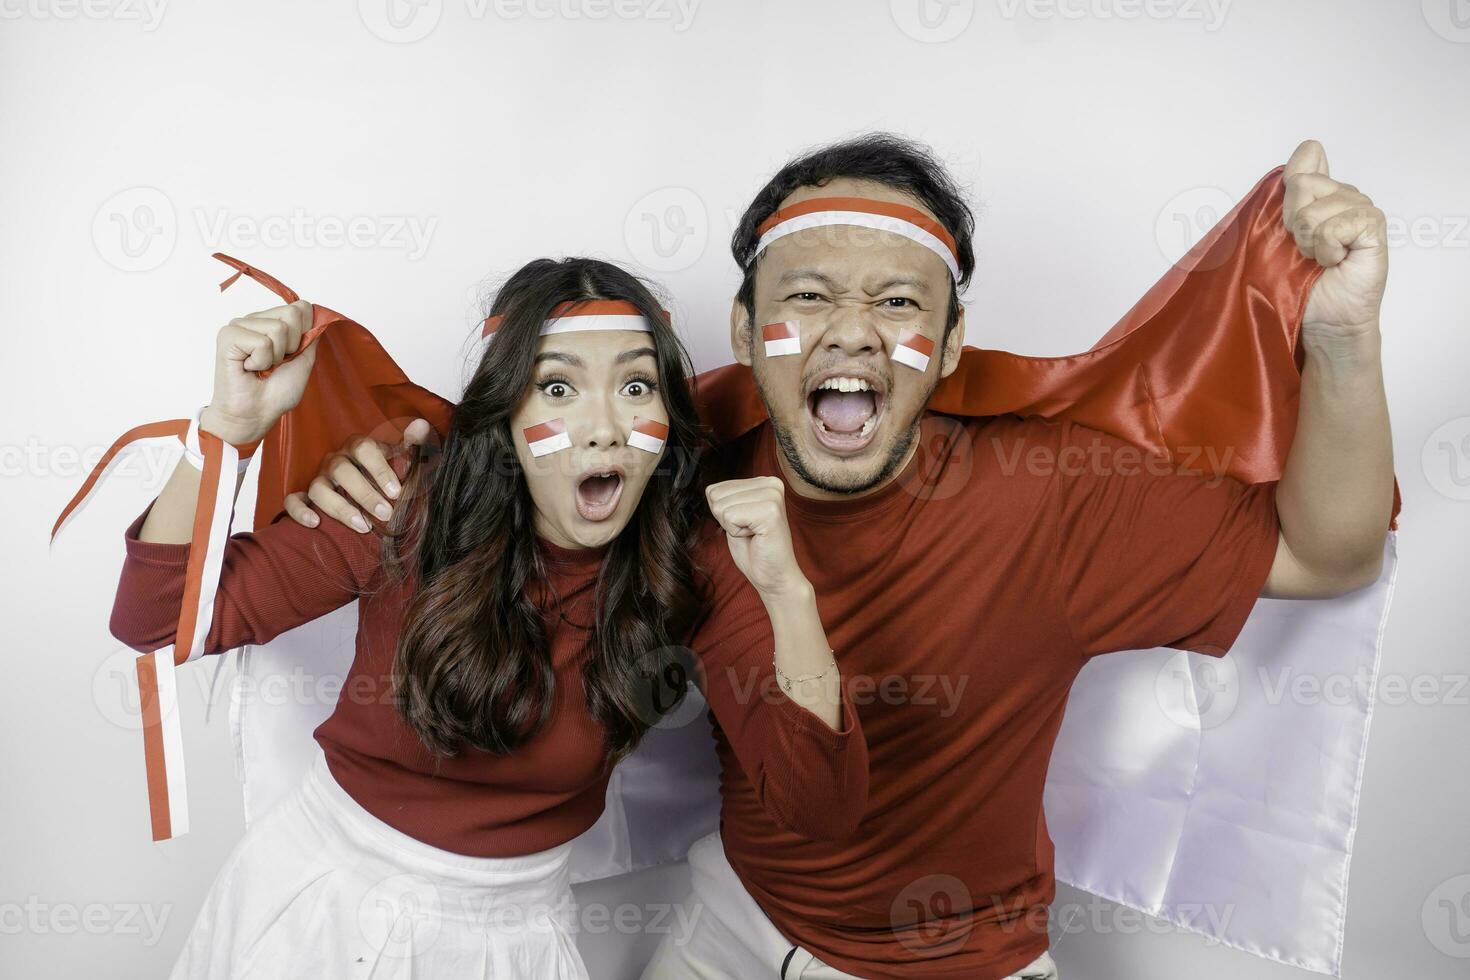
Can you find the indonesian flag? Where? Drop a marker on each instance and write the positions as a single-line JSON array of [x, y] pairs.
[[547, 437], [648, 435], [913, 349], [1164, 814], [782, 338]]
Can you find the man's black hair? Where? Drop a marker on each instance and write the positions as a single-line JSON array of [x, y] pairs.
[[881, 157]]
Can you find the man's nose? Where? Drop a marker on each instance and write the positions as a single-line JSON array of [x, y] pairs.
[[851, 330]]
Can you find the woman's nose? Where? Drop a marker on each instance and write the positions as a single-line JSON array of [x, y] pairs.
[[602, 429]]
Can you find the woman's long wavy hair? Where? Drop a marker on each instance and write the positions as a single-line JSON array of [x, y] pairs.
[[473, 665]]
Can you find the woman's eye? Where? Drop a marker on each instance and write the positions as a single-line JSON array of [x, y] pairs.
[[638, 388], [555, 389]]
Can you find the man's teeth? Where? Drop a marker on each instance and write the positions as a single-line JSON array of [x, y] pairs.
[[867, 426], [844, 384]]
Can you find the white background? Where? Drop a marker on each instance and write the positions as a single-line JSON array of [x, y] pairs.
[[458, 139]]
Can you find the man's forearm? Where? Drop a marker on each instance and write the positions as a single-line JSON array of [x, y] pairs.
[[1336, 492], [802, 651]]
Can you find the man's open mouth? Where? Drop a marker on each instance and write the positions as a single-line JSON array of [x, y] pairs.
[[598, 492], [845, 410]]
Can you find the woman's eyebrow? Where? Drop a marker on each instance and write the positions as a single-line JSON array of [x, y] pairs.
[[556, 355], [633, 355]]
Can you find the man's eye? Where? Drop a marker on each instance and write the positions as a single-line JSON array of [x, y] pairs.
[[805, 297], [899, 302]]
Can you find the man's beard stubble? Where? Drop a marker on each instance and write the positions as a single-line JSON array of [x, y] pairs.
[[896, 455]]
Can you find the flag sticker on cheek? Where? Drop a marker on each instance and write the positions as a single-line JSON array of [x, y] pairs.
[[913, 349], [547, 437], [782, 338], [648, 435]]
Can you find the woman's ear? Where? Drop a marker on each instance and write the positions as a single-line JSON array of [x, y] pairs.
[[740, 333], [952, 346]]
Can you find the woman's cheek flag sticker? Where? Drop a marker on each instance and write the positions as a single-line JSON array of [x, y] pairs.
[[547, 437], [913, 349], [648, 435], [782, 338]]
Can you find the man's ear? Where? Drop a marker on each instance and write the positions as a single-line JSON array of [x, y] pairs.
[[740, 328], [952, 345]]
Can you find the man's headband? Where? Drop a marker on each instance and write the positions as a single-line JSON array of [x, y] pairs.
[[899, 219], [586, 314]]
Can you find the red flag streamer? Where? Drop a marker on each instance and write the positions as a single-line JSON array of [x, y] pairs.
[[355, 388]]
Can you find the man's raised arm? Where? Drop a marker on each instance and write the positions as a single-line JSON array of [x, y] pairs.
[[1335, 497]]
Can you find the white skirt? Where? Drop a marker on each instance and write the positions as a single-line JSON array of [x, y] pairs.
[[319, 888]]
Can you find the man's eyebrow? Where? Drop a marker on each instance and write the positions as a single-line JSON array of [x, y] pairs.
[[821, 277], [556, 355], [915, 281], [633, 355]]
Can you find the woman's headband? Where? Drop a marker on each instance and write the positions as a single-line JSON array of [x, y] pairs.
[[898, 219], [585, 314]]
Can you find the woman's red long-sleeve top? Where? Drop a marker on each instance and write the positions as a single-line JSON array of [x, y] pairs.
[[812, 779]]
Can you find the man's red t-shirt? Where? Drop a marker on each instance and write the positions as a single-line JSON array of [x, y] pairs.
[[962, 599]]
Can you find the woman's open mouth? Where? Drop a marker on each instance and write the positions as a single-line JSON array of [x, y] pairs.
[[845, 410], [598, 493]]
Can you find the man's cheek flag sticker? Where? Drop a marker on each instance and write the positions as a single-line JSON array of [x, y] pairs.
[[648, 435], [913, 349], [548, 437], [782, 338]]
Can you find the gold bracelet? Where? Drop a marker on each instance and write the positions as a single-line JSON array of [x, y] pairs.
[[786, 679]]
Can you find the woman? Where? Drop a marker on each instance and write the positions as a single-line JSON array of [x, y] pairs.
[[551, 559]]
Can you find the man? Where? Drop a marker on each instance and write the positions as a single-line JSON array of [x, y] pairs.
[[991, 567]]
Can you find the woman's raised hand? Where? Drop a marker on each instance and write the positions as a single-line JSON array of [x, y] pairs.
[[246, 405]]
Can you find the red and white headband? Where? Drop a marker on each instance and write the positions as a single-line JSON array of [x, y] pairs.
[[898, 219], [575, 316]]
